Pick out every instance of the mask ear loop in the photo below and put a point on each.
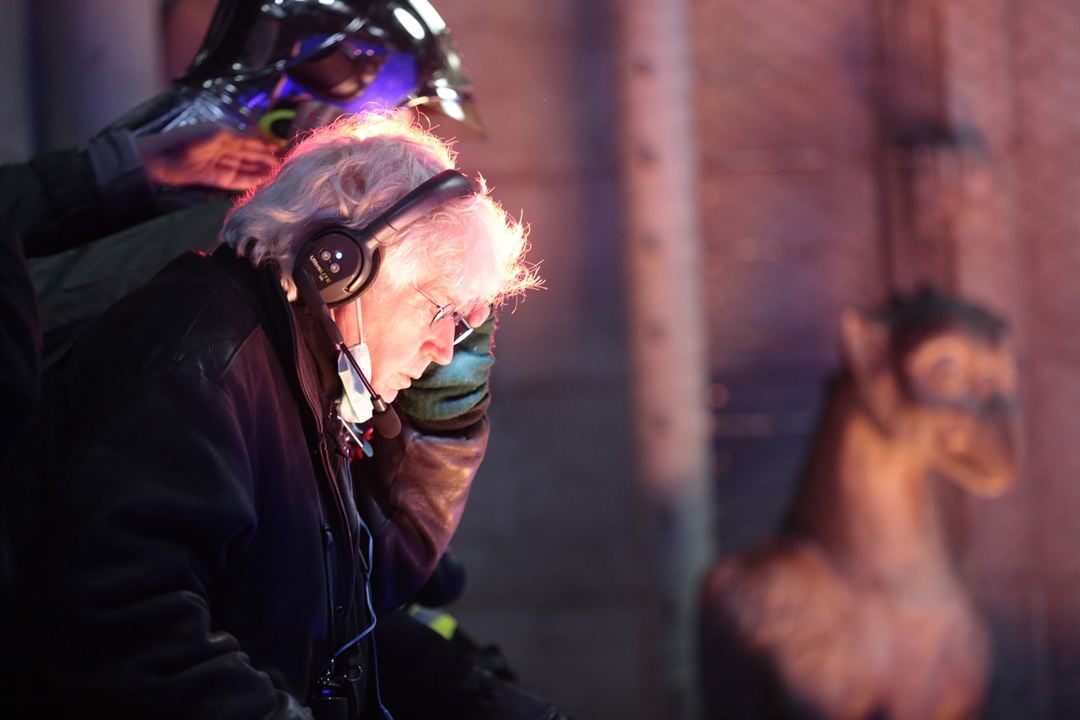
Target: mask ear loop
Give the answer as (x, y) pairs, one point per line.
(359, 320)
(351, 349)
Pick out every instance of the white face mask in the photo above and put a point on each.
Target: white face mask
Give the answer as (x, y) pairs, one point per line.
(355, 404)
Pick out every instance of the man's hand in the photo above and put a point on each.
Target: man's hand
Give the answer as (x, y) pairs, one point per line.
(207, 154)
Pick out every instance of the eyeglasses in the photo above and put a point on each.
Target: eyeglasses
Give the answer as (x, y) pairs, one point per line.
(462, 328)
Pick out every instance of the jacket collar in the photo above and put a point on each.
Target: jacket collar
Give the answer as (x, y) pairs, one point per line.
(299, 343)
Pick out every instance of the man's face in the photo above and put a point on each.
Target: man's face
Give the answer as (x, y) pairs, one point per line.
(400, 334)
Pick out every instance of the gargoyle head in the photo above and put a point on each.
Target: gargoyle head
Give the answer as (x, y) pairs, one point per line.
(938, 374)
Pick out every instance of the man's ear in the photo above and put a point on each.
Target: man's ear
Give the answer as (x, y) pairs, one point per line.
(866, 350)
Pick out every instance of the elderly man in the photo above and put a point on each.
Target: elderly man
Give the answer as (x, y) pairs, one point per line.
(199, 546)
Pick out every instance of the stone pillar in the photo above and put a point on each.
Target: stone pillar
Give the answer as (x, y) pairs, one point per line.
(667, 329)
(92, 60)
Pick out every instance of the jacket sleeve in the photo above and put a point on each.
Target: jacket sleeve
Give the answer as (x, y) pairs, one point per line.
(66, 198)
(417, 484)
(149, 515)
(413, 493)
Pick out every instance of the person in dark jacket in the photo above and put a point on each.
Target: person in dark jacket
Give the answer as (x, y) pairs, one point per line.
(63, 201)
(206, 536)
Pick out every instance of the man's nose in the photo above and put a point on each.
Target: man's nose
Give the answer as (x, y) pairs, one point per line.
(439, 348)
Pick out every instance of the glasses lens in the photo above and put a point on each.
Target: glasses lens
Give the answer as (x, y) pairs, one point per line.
(462, 329)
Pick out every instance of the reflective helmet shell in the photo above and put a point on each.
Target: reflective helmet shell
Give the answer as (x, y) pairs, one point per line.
(262, 59)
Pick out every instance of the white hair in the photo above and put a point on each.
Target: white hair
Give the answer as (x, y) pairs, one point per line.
(353, 170)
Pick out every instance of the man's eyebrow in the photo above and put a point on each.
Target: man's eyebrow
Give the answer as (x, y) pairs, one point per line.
(443, 295)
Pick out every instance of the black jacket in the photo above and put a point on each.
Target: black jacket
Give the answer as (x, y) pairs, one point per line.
(57, 201)
(194, 547)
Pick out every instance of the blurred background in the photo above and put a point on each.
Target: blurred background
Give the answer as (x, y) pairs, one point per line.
(709, 183)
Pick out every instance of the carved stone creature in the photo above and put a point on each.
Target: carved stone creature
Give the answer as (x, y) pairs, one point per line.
(854, 610)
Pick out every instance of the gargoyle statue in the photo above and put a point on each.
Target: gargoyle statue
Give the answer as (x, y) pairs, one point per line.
(854, 610)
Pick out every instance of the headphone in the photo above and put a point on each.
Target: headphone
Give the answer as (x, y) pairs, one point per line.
(338, 263)
(343, 262)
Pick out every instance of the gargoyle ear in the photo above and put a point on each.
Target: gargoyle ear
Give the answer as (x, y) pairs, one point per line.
(866, 350)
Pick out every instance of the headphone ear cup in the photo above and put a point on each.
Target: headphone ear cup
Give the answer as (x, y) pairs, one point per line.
(341, 266)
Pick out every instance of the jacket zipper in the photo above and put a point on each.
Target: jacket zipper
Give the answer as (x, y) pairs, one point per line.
(315, 407)
(324, 452)
(325, 680)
